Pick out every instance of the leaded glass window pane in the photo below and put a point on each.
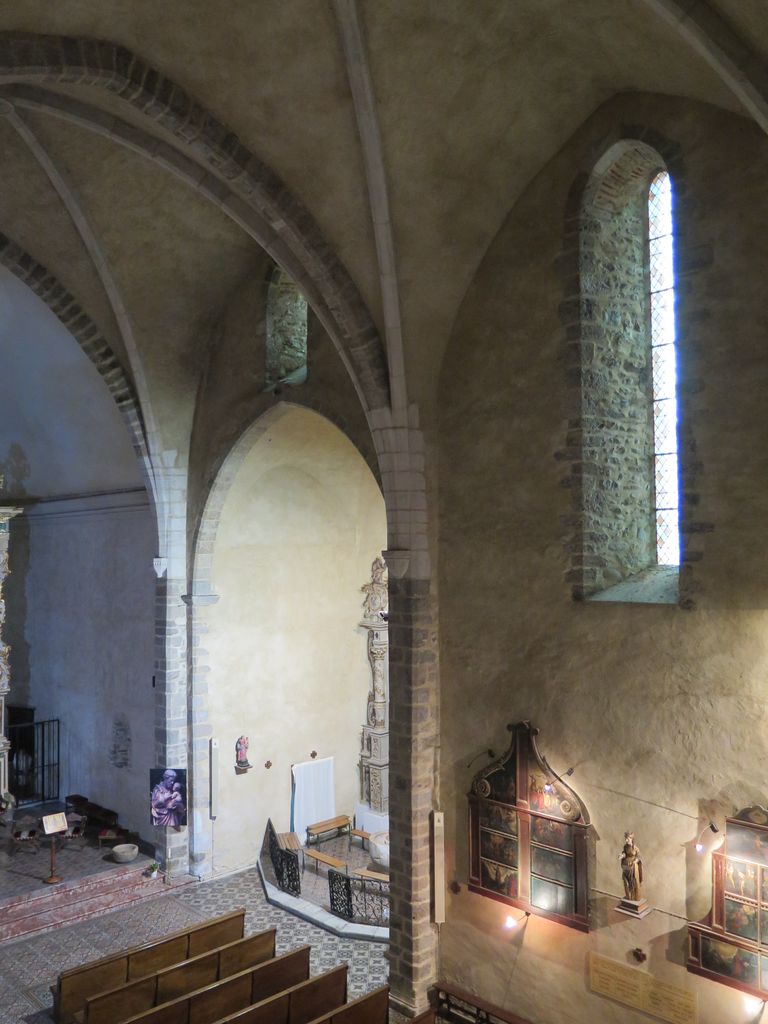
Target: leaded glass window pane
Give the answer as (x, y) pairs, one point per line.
(664, 369)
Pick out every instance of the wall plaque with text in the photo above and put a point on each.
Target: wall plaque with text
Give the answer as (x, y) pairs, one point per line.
(641, 991)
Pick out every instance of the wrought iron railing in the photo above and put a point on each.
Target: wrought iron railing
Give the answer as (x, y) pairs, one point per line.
(285, 864)
(363, 900)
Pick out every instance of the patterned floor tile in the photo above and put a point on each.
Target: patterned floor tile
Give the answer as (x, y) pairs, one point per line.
(29, 967)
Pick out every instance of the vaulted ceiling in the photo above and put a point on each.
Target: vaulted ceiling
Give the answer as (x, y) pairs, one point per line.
(407, 182)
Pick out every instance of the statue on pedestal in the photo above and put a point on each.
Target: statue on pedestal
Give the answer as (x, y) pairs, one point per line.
(631, 867)
(631, 861)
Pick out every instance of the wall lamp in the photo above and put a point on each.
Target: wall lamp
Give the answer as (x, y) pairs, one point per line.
(548, 787)
(712, 828)
(513, 922)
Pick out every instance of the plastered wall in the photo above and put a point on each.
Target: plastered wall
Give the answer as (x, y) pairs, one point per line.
(88, 644)
(661, 711)
(300, 526)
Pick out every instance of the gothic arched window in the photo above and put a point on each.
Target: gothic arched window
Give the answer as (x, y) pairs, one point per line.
(626, 486)
(286, 332)
(664, 362)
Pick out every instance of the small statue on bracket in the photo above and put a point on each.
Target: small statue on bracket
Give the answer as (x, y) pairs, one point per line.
(631, 860)
(241, 755)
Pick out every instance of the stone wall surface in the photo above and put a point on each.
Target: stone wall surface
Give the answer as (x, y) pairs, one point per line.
(88, 635)
(661, 709)
(288, 663)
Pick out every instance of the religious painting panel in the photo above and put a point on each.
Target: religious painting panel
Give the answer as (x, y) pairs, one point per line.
(741, 919)
(498, 817)
(551, 833)
(557, 899)
(499, 848)
(528, 834)
(499, 879)
(741, 878)
(746, 842)
(729, 961)
(558, 867)
(168, 797)
(764, 973)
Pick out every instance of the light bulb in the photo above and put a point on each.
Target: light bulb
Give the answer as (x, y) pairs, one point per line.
(753, 1005)
(548, 787)
(511, 922)
(699, 847)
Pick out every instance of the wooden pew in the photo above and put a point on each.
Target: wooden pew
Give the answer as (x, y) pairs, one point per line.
(260, 985)
(144, 993)
(298, 1005)
(73, 987)
(372, 1008)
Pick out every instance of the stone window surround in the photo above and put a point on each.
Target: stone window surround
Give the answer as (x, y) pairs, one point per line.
(655, 585)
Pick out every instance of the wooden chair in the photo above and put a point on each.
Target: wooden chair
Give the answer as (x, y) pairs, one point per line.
(26, 838)
(372, 1008)
(73, 987)
(136, 996)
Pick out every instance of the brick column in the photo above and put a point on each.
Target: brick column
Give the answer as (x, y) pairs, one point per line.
(413, 745)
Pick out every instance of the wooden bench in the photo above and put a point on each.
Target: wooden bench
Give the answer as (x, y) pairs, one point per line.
(373, 876)
(170, 982)
(372, 1008)
(74, 986)
(300, 1004)
(448, 995)
(238, 999)
(322, 858)
(288, 841)
(117, 835)
(94, 812)
(340, 825)
(428, 1017)
(360, 834)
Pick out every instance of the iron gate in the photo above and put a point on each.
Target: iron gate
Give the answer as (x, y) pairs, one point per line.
(33, 771)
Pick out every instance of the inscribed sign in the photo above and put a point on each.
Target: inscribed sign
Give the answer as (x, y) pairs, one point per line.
(641, 991)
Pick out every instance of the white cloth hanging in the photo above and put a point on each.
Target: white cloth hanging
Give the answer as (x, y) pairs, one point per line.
(313, 795)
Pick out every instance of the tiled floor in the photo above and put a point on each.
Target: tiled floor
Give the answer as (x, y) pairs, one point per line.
(314, 879)
(22, 869)
(28, 968)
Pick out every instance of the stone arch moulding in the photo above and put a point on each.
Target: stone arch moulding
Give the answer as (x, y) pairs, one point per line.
(237, 180)
(81, 327)
(200, 596)
(618, 164)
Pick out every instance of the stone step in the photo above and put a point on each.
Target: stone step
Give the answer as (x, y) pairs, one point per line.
(80, 900)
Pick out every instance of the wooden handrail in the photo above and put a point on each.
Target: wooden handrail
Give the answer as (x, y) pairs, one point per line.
(477, 1002)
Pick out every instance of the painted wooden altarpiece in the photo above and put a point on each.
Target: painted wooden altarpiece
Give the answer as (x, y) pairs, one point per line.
(528, 835)
(731, 945)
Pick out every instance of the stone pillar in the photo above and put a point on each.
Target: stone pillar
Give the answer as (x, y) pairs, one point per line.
(374, 754)
(413, 735)
(6, 514)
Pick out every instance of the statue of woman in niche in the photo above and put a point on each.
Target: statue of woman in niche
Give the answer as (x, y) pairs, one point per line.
(631, 868)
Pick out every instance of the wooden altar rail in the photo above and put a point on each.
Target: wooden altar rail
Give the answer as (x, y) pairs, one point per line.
(370, 1009)
(449, 995)
(235, 1000)
(144, 993)
(73, 987)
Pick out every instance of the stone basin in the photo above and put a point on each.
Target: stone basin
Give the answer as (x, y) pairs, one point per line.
(124, 853)
(378, 846)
